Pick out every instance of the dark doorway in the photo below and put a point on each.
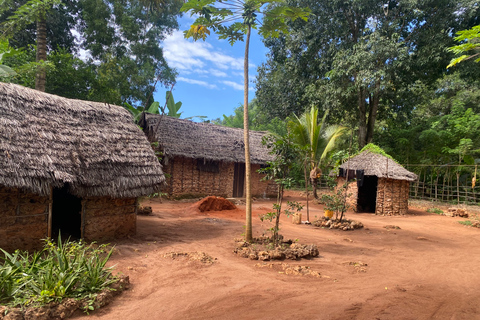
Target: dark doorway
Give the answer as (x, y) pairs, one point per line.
(238, 180)
(367, 195)
(66, 214)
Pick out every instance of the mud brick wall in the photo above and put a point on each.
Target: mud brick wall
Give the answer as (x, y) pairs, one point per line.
(262, 188)
(107, 218)
(23, 219)
(352, 192)
(185, 178)
(392, 197)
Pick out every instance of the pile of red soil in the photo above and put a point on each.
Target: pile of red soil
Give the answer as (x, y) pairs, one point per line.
(214, 204)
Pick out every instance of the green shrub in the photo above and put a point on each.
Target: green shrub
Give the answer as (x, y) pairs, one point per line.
(63, 270)
(466, 222)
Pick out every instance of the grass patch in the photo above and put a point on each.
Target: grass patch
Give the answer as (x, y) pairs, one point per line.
(435, 210)
(58, 271)
(466, 222)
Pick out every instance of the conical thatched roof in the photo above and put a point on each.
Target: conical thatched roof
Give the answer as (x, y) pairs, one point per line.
(46, 140)
(375, 164)
(179, 137)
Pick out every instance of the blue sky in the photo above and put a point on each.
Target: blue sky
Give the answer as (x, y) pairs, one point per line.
(210, 73)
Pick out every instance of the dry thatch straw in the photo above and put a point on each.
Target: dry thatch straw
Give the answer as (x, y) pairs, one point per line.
(48, 141)
(375, 164)
(178, 137)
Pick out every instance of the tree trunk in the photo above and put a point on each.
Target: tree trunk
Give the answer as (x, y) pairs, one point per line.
(362, 116)
(372, 115)
(248, 190)
(40, 78)
(306, 190)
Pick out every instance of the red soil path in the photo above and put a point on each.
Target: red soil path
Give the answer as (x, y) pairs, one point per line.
(428, 269)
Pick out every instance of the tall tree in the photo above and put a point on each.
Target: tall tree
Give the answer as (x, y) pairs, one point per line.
(33, 11)
(119, 41)
(219, 16)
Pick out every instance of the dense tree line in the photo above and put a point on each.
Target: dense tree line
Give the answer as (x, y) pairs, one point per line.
(375, 65)
(101, 50)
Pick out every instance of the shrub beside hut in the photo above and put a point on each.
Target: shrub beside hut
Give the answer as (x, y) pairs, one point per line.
(382, 185)
(69, 166)
(202, 159)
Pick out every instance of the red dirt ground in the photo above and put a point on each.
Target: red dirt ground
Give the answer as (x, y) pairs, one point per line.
(427, 269)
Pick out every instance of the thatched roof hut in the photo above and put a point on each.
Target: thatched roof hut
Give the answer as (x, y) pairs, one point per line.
(69, 166)
(179, 137)
(206, 159)
(382, 184)
(47, 141)
(374, 164)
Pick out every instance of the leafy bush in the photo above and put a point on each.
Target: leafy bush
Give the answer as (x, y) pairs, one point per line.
(68, 270)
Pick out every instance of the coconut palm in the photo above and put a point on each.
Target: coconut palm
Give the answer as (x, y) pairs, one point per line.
(316, 138)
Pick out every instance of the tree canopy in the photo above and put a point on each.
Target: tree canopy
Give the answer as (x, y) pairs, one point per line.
(112, 46)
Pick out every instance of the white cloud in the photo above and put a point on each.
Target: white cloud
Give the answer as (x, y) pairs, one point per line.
(234, 85)
(186, 55)
(218, 73)
(200, 83)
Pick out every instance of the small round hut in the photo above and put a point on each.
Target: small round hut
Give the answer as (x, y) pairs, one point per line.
(382, 185)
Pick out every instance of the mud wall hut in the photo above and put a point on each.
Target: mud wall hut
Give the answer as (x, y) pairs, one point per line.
(69, 166)
(203, 159)
(381, 187)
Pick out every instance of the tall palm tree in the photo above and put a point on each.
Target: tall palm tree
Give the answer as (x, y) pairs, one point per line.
(316, 138)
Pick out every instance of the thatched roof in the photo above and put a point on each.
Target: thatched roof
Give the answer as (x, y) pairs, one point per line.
(179, 137)
(375, 164)
(46, 140)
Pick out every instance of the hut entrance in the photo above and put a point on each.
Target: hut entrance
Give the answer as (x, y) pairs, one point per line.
(66, 214)
(238, 180)
(367, 194)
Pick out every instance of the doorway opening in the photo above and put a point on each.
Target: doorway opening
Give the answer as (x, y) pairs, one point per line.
(238, 180)
(367, 195)
(66, 214)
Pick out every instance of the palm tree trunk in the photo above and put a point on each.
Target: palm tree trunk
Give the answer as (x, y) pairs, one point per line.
(41, 75)
(248, 190)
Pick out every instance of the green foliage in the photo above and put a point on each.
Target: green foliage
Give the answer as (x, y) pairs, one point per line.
(360, 60)
(292, 208)
(278, 170)
(122, 40)
(337, 201)
(312, 134)
(471, 42)
(172, 106)
(62, 270)
(466, 222)
(256, 120)
(375, 149)
(213, 15)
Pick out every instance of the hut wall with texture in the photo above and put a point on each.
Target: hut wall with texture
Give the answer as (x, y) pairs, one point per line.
(392, 197)
(262, 188)
(23, 219)
(107, 218)
(352, 192)
(184, 178)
